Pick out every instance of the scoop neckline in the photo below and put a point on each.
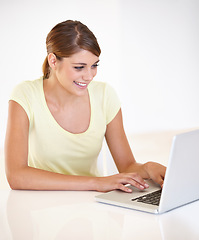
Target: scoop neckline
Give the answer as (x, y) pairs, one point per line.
(54, 120)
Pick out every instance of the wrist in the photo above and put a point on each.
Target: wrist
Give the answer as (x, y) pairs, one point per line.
(146, 169)
(95, 183)
(141, 169)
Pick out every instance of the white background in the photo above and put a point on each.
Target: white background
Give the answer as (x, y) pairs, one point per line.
(150, 54)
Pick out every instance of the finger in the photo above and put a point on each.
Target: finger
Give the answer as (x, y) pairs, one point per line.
(134, 180)
(138, 181)
(137, 184)
(124, 188)
(159, 179)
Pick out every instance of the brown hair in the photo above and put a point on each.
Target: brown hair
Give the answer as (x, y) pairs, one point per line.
(67, 38)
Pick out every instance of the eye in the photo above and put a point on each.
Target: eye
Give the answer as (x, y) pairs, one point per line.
(79, 68)
(95, 65)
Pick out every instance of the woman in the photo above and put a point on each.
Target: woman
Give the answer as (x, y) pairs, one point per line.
(56, 124)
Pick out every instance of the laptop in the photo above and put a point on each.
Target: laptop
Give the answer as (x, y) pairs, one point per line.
(181, 183)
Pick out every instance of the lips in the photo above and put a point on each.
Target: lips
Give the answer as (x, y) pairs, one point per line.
(80, 84)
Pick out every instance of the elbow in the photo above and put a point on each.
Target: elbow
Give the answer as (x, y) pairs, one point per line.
(12, 183)
(15, 181)
(14, 186)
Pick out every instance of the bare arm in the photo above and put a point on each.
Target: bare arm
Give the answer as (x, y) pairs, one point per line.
(21, 176)
(123, 156)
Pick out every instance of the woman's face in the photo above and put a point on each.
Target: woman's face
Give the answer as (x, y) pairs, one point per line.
(76, 72)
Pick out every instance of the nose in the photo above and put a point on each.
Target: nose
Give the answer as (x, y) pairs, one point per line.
(88, 75)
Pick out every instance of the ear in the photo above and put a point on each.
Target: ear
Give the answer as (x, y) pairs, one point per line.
(52, 60)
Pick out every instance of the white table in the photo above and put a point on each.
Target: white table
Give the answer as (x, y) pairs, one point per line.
(46, 215)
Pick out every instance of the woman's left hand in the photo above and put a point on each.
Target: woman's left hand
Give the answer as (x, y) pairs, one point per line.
(155, 171)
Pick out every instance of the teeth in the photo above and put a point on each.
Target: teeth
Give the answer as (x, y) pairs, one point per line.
(81, 84)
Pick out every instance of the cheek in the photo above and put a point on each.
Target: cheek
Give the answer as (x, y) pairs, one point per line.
(94, 72)
(70, 74)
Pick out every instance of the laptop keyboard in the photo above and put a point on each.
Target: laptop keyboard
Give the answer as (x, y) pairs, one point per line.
(150, 198)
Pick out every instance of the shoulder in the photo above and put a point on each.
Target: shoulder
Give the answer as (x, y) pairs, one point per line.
(107, 96)
(101, 87)
(26, 89)
(96, 85)
(25, 94)
(28, 85)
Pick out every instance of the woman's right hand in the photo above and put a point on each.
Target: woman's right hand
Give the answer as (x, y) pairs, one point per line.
(118, 181)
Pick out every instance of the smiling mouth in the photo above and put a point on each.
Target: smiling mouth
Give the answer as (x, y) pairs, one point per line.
(80, 84)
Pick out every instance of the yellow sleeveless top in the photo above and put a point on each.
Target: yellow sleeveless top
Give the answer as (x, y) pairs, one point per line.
(54, 149)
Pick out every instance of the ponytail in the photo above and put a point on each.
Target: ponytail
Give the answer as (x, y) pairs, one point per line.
(46, 69)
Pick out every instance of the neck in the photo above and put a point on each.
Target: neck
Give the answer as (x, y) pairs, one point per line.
(57, 95)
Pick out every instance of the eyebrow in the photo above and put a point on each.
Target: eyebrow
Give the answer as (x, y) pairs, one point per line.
(84, 64)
